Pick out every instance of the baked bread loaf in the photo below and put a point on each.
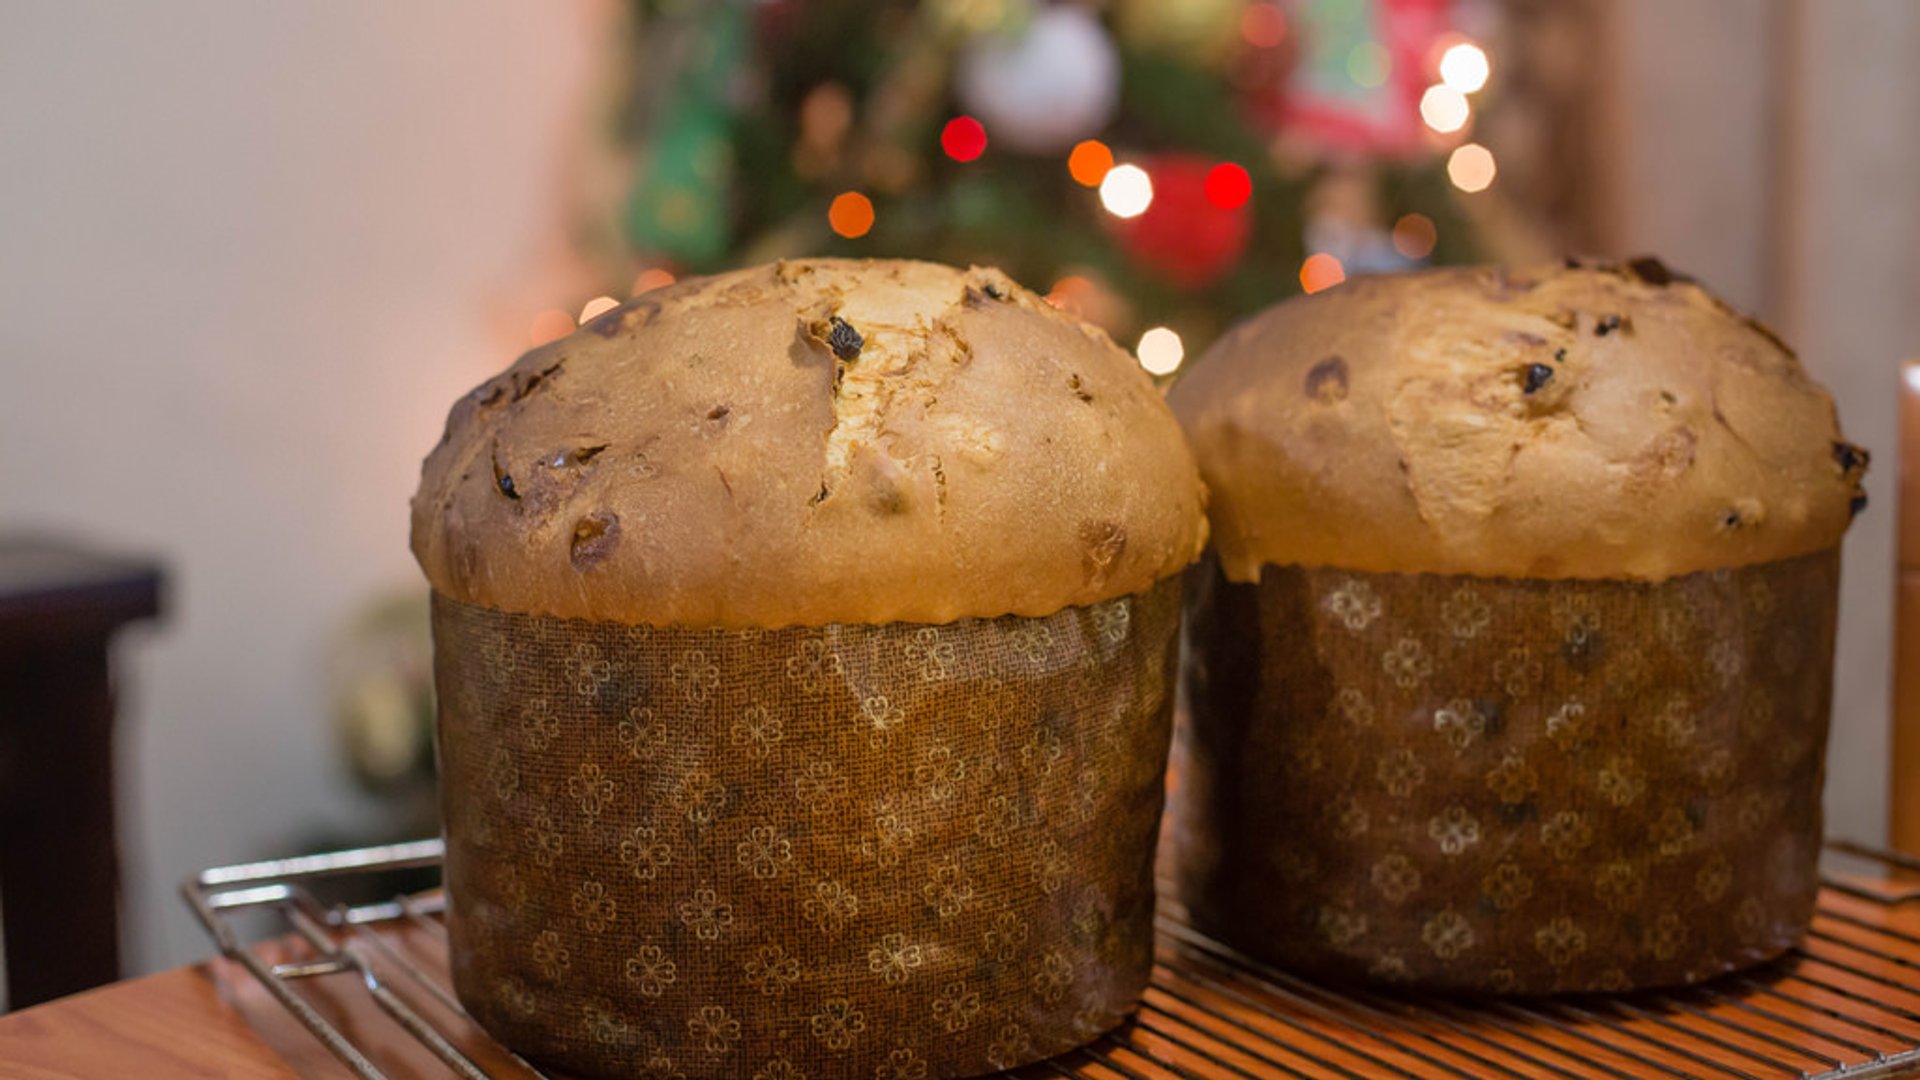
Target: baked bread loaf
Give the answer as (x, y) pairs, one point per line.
(804, 643)
(1605, 421)
(811, 442)
(1512, 670)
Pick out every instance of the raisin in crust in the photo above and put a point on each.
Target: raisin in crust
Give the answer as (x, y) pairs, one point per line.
(1578, 421)
(812, 442)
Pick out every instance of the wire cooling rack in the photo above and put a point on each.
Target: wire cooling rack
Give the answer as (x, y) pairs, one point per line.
(370, 983)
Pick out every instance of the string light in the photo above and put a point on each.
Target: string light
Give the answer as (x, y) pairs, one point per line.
(1471, 167)
(1443, 108)
(1464, 67)
(550, 325)
(1160, 351)
(851, 214)
(1228, 186)
(1126, 191)
(1263, 25)
(597, 307)
(1090, 162)
(650, 279)
(1321, 271)
(964, 139)
(1414, 236)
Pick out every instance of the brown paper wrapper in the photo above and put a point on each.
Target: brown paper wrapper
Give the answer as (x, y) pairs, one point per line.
(892, 851)
(1506, 786)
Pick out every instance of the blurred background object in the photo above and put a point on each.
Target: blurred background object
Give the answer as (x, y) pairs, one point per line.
(1152, 165)
(61, 606)
(252, 251)
(1904, 753)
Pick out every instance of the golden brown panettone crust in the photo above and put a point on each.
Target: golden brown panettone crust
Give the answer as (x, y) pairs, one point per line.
(1576, 421)
(812, 442)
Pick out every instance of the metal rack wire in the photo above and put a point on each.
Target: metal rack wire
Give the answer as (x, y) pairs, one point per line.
(1845, 1004)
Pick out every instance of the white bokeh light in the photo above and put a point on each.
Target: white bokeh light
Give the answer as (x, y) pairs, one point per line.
(1126, 191)
(1443, 108)
(1464, 67)
(597, 307)
(1471, 167)
(1160, 351)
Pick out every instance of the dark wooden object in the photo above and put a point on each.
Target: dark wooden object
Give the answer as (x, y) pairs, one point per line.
(59, 858)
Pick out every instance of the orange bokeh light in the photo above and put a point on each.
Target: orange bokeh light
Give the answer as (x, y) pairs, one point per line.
(652, 278)
(851, 214)
(1321, 271)
(1070, 292)
(1089, 162)
(1414, 236)
(550, 325)
(1263, 25)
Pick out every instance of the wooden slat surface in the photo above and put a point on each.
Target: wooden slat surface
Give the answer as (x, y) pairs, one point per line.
(1852, 994)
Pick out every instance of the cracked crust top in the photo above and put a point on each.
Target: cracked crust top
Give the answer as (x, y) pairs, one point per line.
(812, 442)
(1559, 422)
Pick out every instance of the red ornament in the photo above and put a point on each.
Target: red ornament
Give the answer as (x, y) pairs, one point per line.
(1184, 235)
(963, 138)
(1228, 186)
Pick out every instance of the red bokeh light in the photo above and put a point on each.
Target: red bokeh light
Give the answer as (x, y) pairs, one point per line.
(1228, 186)
(963, 138)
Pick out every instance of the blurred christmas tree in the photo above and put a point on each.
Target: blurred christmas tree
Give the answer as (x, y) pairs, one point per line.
(1148, 163)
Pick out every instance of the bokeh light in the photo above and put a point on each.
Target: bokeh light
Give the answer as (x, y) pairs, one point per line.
(1090, 162)
(1126, 191)
(550, 325)
(1471, 167)
(1369, 64)
(851, 214)
(597, 307)
(1464, 67)
(1321, 271)
(1443, 108)
(1414, 236)
(653, 277)
(1263, 25)
(1160, 351)
(964, 139)
(1228, 186)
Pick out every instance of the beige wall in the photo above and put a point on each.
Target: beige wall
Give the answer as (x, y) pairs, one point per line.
(248, 254)
(1772, 147)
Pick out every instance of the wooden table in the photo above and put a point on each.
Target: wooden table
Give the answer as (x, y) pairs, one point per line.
(60, 606)
(213, 1020)
(1852, 992)
(182, 1023)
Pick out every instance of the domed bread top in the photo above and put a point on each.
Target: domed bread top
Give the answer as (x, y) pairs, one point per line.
(1556, 422)
(812, 442)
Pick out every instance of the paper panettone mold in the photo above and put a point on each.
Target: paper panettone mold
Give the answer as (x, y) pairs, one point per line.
(831, 851)
(805, 639)
(1511, 668)
(1500, 785)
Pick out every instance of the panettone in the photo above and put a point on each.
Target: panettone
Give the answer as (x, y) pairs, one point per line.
(1511, 669)
(805, 639)
(1565, 422)
(812, 442)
